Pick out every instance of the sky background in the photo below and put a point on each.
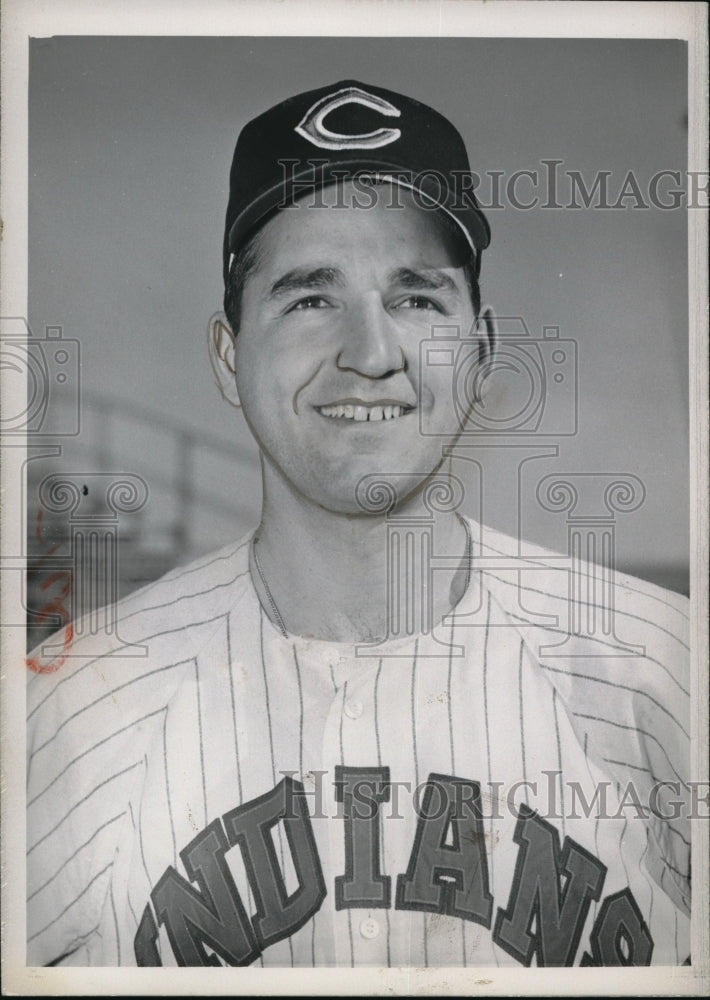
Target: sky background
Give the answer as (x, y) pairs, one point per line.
(131, 142)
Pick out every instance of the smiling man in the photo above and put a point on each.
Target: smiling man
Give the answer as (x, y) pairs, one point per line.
(338, 748)
(327, 363)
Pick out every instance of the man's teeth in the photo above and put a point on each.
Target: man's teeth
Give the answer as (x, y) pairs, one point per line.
(352, 412)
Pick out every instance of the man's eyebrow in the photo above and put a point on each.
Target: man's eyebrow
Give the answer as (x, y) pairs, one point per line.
(431, 279)
(304, 278)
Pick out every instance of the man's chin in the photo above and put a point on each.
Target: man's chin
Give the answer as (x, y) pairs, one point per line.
(372, 493)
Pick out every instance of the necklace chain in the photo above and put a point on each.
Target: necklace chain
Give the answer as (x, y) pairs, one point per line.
(277, 614)
(469, 554)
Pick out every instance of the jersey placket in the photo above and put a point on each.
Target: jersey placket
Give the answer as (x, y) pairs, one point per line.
(350, 741)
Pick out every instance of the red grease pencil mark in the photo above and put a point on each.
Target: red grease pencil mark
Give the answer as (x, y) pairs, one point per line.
(54, 606)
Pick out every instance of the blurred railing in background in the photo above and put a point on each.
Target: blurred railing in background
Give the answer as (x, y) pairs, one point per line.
(201, 492)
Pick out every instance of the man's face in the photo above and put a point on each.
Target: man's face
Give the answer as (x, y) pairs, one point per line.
(328, 351)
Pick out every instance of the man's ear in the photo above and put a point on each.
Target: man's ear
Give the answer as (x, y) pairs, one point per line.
(220, 346)
(487, 331)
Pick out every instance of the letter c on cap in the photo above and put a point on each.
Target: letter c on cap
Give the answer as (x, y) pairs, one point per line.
(311, 126)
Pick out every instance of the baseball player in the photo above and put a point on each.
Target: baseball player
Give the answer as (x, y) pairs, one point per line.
(322, 746)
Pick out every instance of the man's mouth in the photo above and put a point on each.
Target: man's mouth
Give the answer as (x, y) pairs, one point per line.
(362, 412)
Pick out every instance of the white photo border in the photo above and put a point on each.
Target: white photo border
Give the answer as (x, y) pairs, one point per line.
(24, 19)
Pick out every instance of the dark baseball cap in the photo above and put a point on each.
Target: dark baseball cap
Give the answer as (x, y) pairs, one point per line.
(346, 130)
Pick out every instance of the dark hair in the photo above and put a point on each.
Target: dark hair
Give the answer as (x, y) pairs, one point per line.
(245, 260)
(248, 257)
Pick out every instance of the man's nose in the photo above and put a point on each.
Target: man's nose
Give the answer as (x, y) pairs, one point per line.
(371, 344)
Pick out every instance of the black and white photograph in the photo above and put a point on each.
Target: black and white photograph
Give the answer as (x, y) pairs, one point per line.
(354, 498)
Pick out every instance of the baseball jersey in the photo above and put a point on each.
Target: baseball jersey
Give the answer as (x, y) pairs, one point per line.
(508, 789)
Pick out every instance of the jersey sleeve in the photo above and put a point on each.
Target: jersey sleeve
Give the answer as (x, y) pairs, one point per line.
(617, 651)
(96, 713)
(627, 691)
(83, 762)
(643, 698)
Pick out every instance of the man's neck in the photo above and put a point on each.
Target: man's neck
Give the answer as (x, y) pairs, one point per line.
(355, 577)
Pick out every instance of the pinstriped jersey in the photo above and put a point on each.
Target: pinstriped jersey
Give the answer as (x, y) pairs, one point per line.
(508, 789)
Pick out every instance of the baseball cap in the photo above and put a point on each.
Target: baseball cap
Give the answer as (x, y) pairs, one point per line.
(339, 132)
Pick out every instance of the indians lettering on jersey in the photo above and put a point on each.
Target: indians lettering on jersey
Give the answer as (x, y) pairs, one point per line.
(550, 895)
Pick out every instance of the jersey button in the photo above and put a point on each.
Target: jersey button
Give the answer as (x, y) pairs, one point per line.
(353, 708)
(369, 928)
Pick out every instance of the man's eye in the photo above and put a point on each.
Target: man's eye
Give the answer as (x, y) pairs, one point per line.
(418, 302)
(310, 302)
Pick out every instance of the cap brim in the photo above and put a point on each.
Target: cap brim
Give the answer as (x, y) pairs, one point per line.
(471, 221)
